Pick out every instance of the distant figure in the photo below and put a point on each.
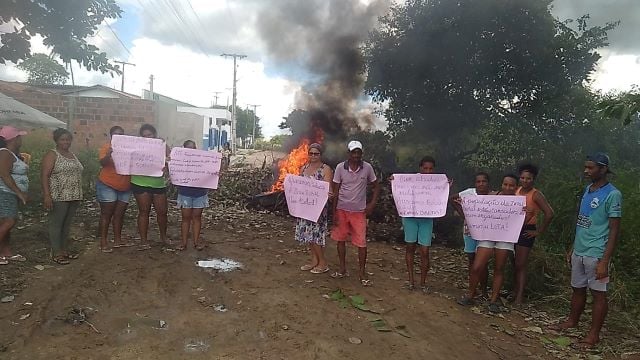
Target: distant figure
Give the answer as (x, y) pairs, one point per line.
(597, 233)
(536, 202)
(14, 183)
(62, 193)
(309, 232)
(350, 182)
(191, 202)
(226, 155)
(150, 190)
(113, 192)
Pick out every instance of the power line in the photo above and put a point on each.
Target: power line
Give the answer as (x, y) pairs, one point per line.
(117, 37)
(123, 66)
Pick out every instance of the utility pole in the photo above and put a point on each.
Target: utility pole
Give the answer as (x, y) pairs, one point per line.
(123, 66)
(233, 101)
(253, 137)
(151, 86)
(215, 97)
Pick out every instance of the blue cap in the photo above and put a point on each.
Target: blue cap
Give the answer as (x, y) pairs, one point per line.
(601, 159)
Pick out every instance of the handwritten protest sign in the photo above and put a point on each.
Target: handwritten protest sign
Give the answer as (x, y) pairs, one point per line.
(494, 217)
(306, 197)
(134, 155)
(420, 195)
(195, 168)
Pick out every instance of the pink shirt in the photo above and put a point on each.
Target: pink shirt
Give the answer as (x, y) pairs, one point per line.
(353, 188)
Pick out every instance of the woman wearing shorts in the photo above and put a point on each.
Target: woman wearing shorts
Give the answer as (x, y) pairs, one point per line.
(191, 202)
(536, 202)
(113, 192)
(14, 183)
(148, 191)
(500, 251)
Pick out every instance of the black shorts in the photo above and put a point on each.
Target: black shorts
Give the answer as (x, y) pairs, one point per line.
(525, 241)
(137, 189)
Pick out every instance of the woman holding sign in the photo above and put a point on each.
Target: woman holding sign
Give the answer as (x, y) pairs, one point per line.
(500, 250)
(309, 232)
(150, 190)
(191, 202)
(113, 192)
(62, 192)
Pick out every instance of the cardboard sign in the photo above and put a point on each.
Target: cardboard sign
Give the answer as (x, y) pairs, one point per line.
(306, 197)
(195, 168)
(134, 155)
(420, 195)
(494, 217)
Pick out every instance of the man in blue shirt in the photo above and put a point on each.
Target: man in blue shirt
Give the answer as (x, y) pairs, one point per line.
(596, 235)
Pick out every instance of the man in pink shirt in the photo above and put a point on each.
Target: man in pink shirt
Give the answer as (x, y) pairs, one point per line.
(350, 208)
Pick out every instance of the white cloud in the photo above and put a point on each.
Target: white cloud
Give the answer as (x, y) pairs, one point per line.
(617, 73)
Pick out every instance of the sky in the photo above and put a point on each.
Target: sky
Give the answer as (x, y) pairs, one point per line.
(180, 43)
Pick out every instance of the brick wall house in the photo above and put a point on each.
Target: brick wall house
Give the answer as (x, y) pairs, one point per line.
(89, 111)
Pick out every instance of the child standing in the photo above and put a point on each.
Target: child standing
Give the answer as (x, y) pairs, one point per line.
(191, 201)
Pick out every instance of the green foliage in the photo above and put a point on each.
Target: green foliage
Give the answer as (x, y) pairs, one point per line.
(44, 70)
(449, 68)
(624, 107)
(64, 25)
(245, 121)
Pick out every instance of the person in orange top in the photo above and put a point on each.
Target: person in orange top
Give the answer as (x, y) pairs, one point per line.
(536, 202)
(113, 192)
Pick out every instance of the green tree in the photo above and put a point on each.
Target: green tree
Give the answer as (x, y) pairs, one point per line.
(64, 25)
(43, 70)
(244, 123)
(624, 107)
(451, 69)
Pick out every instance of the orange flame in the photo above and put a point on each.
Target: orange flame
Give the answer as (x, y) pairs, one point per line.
(296, 159)
(292, 163)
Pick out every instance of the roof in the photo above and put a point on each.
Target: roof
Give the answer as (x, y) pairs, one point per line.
(146, 94)
(61, 89)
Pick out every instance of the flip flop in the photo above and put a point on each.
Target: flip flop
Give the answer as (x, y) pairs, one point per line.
(306, 267)
(107, 250)
(181, 248)
(200, 247)
(317, 270)
(17, 257)
(60, 260)
(465, 301)
(3, 261)
(73, 256)
(123, 245)
(366, 282)
(144, 247)
(339, 275)
(582, 346)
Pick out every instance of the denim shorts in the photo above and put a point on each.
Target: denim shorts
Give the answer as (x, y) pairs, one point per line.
(470, 244)
(501, 245)
(190, 202)
(8, 205)
(106, 194)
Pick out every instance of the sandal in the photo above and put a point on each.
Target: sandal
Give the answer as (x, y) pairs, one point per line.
(17, 257)
(306, 267)
(494, 308)
(366, 282)
(123, 245)
(144, 247)
(339, 275)
(4, 261)
(465, 301)
(317, 270)
(107, 250)
(200, 247)
(73, 256)
(60, 260)
(181, 247)
(409, 286)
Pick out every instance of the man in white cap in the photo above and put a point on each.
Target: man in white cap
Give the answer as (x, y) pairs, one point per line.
(350, 208)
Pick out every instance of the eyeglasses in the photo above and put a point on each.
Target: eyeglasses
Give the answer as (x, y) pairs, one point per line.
(314, 154)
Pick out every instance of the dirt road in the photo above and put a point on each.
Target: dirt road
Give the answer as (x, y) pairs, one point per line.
(159, 305)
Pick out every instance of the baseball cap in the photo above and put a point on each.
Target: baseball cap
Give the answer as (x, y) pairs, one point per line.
(9, 132)
(600, 158)
(354, 144)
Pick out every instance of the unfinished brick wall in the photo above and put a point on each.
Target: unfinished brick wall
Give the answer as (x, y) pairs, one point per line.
(91, 117)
